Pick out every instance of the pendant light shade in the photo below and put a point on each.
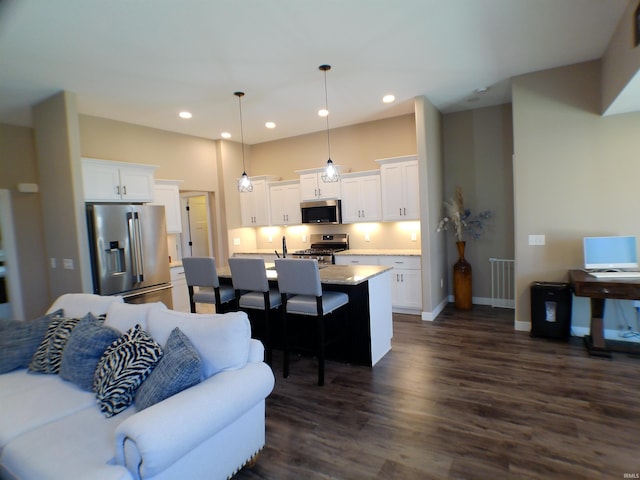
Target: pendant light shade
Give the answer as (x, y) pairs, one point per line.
(330, 174)
(244, 184)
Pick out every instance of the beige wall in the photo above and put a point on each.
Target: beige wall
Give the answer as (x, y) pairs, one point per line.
(575, 174)
(478, 149)
(180, 157)
(621, 60)
(59, 167)
(18, 165)
(355, 148)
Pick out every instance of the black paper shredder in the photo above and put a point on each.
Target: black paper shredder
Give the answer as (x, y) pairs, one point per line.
(551, 310)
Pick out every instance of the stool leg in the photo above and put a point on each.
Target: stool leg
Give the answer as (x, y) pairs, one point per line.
(192, 304)
(285, 339)
(321, 351)
(267, 333)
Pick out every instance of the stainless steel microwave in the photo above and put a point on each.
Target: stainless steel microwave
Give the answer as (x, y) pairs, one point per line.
(322, 211)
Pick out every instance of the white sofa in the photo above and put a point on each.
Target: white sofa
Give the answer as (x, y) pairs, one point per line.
(52, 429)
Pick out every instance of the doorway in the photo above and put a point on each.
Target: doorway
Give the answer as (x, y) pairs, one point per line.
(11, 307)
(197, 234)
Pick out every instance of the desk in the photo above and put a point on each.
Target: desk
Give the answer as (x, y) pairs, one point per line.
(598, 290)
(369, 324)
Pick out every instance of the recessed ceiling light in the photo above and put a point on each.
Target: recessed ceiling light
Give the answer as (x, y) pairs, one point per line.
(388, 98)
(270, 125)
(225, 135)
(323, 112)
(185, 114)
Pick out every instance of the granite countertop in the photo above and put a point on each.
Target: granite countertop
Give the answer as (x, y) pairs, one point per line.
(329, 274)
(381, 251)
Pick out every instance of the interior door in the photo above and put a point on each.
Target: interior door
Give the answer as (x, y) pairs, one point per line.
(196, 230)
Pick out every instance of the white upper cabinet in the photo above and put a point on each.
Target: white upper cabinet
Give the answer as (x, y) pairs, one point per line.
(254, 205)
(400, 188)
(361, 201)
(167, 193)
(107, 181)
(285, 203)
(313, 188)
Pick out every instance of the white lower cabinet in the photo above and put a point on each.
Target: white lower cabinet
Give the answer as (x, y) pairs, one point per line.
(406, 282)
(406, 278)
(179, 292)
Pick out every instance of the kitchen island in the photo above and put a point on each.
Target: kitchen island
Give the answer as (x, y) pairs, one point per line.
(367, 326)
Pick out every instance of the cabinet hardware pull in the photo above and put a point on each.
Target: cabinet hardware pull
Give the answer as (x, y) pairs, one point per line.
(124, 189)
(405, 211)
(118, 189)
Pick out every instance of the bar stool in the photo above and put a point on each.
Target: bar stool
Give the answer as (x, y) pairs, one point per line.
(301, 292)
(249, 277)
(201, 272)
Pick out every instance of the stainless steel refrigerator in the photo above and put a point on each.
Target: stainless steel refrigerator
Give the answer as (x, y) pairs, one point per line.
(129, 252)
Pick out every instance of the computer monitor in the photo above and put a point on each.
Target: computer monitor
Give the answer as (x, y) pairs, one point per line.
(604, 253)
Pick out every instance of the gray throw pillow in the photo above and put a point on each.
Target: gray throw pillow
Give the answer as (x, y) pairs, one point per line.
(20, 340)
(86, 345)
(178, 370)
(123, 367)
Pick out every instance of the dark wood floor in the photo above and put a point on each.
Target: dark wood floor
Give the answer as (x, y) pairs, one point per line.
(464, 397)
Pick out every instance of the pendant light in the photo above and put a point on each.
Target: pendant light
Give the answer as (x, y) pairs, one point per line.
(244, 184)
(330, 174)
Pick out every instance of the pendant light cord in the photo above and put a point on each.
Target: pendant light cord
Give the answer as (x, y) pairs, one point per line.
(240, 95)
(325, 68)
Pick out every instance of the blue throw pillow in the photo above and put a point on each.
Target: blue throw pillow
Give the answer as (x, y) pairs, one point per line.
(86, 345)
(123, 367)
(178, 370)
(20, 340)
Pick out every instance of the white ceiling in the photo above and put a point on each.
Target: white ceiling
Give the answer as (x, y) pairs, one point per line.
(143, 61)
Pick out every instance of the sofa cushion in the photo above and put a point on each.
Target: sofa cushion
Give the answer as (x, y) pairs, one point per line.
(30, 401)
(48, 355)
(123, 367)
(123, 316)
(20, 340)
(79, 304)
(86, 345)
(222, 340)
(178, 369)
(79, 446)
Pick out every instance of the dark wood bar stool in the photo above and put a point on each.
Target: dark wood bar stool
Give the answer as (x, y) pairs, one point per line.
(301, 292)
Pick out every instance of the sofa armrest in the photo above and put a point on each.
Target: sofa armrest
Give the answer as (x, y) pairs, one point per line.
(256, 351)
(153, 439)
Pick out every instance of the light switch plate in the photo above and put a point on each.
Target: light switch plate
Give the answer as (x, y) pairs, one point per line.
(67, 263)
(236, 241)
(537, 239)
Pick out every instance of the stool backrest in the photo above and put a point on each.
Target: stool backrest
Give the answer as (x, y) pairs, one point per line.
(298, 276)
(249, 274)
(201, 272)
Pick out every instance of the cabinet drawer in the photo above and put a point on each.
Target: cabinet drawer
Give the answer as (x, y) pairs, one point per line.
(357, 260)
(607, 290)
(177, 274)
(401, 261)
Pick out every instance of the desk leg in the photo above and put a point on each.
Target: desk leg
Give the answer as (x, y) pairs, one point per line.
(595, 342)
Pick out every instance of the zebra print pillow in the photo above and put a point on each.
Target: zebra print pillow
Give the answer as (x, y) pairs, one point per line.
(123, 367)
(48, 355)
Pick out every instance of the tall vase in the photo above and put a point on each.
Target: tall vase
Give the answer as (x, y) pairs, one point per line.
(462, 280)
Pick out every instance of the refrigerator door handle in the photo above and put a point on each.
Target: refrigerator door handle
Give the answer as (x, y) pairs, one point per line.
(139, 249)
(133, 245)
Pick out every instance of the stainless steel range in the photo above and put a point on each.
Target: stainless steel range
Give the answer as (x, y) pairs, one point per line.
(323, 246)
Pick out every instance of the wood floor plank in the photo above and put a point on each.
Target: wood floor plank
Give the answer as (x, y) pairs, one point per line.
(464, 397)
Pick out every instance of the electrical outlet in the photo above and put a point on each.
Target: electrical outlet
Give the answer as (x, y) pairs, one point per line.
(441, 283)
(270, 239)
(53, 262)
(536, 239)
(236, 241)
(414, 236)
(304, 237)
(367, 237)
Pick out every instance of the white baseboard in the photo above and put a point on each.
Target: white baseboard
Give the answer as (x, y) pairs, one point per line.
(609, 334)
(431, 316)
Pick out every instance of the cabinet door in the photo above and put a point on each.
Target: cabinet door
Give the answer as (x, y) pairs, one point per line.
(254, 205)
(101, 181)
(309, 186)
(180, 291)
(292, 205)
(408, 291)
(328, 191)
(351, 205)
(412, 191)
(136, 184)
(392, 195)
(370, 203)
(278, 205)
(169, 196)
